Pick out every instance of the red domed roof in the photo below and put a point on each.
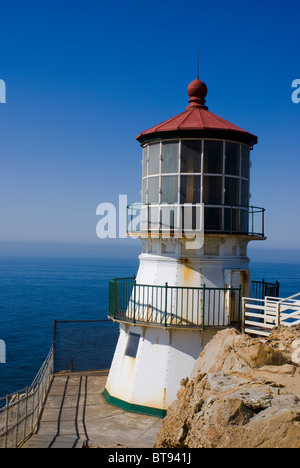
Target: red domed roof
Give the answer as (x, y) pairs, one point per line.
(197, 122)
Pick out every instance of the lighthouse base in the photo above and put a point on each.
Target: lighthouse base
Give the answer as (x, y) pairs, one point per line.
(157, 412)
(148, 365)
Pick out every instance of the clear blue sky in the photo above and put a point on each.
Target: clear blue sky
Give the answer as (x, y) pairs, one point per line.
(85, 77)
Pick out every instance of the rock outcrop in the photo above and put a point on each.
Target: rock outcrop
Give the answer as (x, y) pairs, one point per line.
(243, 393)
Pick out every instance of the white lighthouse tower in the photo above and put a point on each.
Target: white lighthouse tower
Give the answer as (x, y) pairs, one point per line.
(196, 223)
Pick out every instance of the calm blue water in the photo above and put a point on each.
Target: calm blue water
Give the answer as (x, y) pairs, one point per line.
(34, 292)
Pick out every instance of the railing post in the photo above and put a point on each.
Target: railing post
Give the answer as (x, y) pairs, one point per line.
(278, 314)
(6, 422)
(148, 219)
(276, 289)
(17, 423)
(263, 295)
(239, 309)
(203, 306)
(243, 313)
(109, 297)
(26, 412)
(166, 304)
(134, 299)
(54, 344)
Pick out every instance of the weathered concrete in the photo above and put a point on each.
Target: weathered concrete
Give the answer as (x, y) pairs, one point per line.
(76, 413)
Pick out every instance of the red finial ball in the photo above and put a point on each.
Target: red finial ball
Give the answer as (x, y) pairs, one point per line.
(197, 91)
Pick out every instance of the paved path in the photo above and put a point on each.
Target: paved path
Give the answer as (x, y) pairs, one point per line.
(76, 412)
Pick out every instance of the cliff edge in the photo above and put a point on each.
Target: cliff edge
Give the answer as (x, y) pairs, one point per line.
(243, 393)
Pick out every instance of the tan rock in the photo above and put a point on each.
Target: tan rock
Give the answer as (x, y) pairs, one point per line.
(242, 393)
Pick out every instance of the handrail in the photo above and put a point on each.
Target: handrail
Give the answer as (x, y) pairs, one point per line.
(260, 316)
(289, 298)
(21, 414)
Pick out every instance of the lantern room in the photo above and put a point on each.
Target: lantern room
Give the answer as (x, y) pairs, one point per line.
(199, 158)
(193, 171)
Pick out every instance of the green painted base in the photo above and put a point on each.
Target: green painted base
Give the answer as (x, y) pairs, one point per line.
(159, 413)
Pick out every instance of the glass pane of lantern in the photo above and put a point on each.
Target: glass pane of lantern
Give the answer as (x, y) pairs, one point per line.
(232, 192)
(213, 157)
(231, 219)
(154, 153)
(245, 161)
(144, 189)
(244, 226)
(191, 156)
(232, 158)
(144, 161)
(168, 215)
(170, 155)
(213, 219)
(153, 189)
(169, 189)
(190, 188)
(245, 192)
(213, 190)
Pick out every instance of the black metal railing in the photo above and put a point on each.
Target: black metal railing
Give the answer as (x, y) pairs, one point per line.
(173, 306)
(84, 345)
(261, 289)
(180, 219)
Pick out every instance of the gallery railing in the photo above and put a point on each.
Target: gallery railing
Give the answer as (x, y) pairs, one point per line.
(173, 306)
(178, 219)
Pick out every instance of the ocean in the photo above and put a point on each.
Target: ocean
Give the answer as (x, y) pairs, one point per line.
(36, 291)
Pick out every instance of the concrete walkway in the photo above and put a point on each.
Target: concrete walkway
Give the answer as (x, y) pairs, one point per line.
(76, 413)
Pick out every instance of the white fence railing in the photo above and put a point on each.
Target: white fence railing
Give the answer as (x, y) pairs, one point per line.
(260, 316)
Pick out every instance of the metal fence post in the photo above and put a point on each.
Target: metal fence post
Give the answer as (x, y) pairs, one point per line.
(6, 421)
(203, 306)
(277, 289)
(166, 304)
(17, 423)
(26, 412)
(54, 343)
(263, 288)
(134, 299)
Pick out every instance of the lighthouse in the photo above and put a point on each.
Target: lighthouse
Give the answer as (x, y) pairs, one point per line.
(195, 226)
